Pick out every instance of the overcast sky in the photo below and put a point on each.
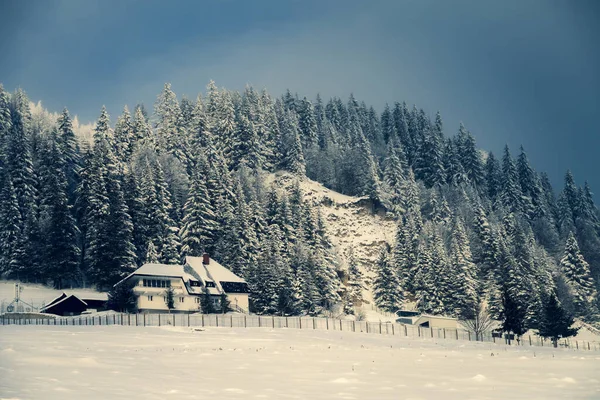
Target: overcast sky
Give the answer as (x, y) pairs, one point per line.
(521, 72)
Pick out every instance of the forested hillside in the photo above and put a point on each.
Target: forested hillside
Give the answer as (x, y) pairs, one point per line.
(196, 176)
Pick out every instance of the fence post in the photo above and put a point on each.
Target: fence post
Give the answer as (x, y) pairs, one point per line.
(577, 345)
(327, 323)
(419, 331)
(245, 322)
(300, 322)
(530, 340)
(231, 320)
(188, 319)
(273, 320)
(144, 319)
(469, 332)
(217, 320)
(393, 330)
(367, 325)
(341, 325)
(286, 321)
(456, 334)
(203, 320)
(259, 322)
(314, 325)
(353, 325)
(589, 345)
(158, 319)
(431, 331)
(380, 327)
(444, 333)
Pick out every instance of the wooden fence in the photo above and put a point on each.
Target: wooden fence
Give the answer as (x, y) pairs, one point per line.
(314, 323)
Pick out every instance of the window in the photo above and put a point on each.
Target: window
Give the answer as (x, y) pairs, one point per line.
(210, 284)
(149, 298)
(194, 283)
(181, 299)
(235, 287)
(157, 283)
(197, 300)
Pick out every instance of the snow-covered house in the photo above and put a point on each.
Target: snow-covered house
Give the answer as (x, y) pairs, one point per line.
(190, 282)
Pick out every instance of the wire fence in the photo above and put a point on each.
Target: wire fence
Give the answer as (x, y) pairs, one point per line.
(312, 323)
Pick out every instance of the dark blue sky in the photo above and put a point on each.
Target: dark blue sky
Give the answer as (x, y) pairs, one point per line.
(516, 72)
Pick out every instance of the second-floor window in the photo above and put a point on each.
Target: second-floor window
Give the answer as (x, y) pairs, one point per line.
(157, 283)
(181, 299)
(149, 298)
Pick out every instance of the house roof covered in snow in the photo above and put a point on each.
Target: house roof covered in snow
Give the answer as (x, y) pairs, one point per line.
(210, 275)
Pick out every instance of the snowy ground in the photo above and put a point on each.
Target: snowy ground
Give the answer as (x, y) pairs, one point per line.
(115, 362)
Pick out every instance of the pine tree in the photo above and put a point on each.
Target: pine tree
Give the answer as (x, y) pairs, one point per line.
(555, 323)
(386, 285)
(60, 253)
(463, 285)
(110, 252)
(198, 224)
(577, 274)
(10, 234)
(70, 149)
(510, 195)
(151, 254)
(469, 156)
(293, 157)
(124, 136)
(493, 176)
(512, 315)
(354, 291)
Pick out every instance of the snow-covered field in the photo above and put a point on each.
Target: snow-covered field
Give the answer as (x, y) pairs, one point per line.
(115, 362)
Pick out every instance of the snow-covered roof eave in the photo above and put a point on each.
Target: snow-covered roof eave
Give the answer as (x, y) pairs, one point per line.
(62, 300)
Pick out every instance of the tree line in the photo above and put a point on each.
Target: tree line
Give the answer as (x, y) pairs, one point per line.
(193, 177)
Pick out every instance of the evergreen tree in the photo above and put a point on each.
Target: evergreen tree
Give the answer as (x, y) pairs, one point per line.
(69, 147)
(293, 157)
(206, 304)
(11, 251)
(151, 254)
(354, 291)
(198, 224)
(510, 195)
(110, 252)
(469, 156)
(60, 253)
(512, 315)
(493, 176)
(577, 274)
(555, 322)
(386, 285)
(122, 297)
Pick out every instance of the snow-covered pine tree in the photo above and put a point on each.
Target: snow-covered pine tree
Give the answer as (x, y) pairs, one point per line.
(70, 149)
(387, 292)
(463, 278)
(354, 285)
(577, 273)
(10, 233)
(469, 156)
(60, 250)
(198, 224)
(124, 136)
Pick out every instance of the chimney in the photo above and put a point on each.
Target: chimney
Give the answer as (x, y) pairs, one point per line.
(205, 259)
